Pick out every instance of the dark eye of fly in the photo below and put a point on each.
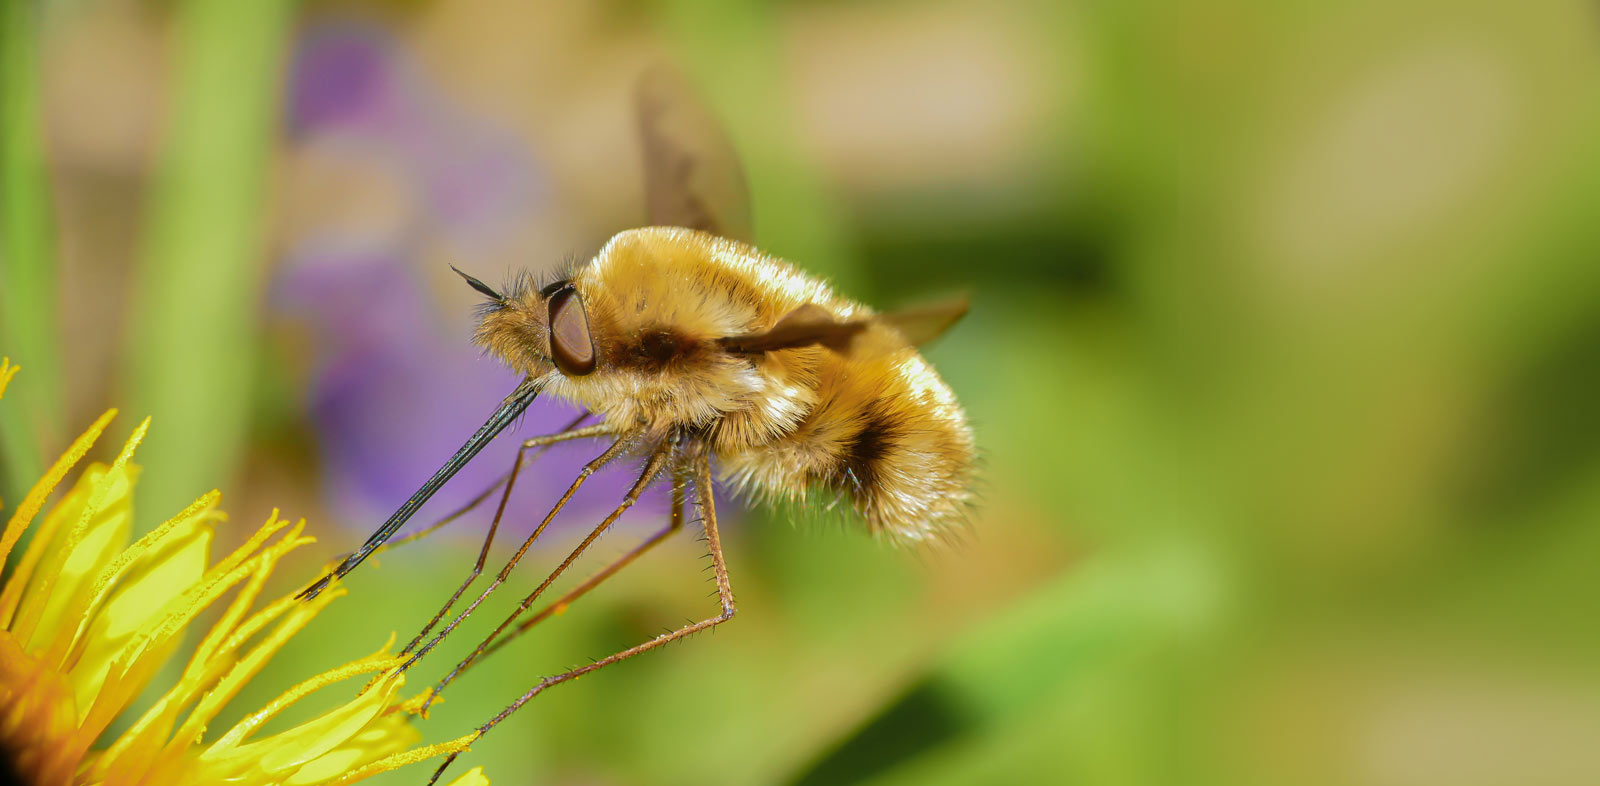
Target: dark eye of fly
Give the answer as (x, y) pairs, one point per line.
(570, 344)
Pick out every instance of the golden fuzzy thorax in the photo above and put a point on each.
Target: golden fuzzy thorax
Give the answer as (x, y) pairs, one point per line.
(874, 421)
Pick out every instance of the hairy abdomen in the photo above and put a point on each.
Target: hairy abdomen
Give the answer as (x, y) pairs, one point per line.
(886, 432)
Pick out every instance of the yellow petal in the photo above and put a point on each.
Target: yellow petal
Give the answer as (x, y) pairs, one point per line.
(35, 714)
(301, 744)
(86, 621)
(174, 558)
(220, 578)
(7, 371)
(398, 760)
(386, 736)
(157, 567)
(101, 494)
(48, 541)
(472, 777)
(298, 616)
(35, 500)
(137, 662)
(101, 535)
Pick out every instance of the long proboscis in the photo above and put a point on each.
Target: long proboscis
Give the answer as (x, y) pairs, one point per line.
(509, 410)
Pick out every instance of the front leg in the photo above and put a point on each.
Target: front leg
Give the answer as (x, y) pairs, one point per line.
(700, 467)
(510, 481)
(611, 453)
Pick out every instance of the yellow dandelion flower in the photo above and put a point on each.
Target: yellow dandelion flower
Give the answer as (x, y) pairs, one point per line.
(87, 619)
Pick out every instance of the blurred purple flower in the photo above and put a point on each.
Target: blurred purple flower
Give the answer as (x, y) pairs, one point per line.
(397, 386)
(475, 180)
(343, 75)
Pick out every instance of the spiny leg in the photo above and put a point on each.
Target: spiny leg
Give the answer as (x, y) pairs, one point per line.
(560, 604)
(496, 640)
(543, 443)
(617, 448)
(702, 482)
(486, 493)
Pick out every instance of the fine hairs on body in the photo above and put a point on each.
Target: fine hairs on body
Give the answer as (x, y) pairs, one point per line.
(695, 350)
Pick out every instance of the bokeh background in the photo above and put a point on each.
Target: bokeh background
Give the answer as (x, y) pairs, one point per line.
(1284, 358)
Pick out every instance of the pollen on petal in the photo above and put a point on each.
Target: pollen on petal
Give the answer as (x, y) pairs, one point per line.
(106, 489)
(102, 534)
(162, 568)
(386, 736)
(36, 496)
(412, 756)
(230, 758)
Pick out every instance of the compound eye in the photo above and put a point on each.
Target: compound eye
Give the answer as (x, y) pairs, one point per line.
(570, 344)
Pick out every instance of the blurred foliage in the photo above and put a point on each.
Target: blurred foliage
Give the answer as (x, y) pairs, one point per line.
(1282, 359)
(27, 265)
(191, 346)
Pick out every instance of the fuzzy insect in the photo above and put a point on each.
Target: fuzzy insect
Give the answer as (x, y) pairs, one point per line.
(789, 387)
(694, 350)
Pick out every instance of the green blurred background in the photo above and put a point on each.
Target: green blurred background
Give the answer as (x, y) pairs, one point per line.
(1284, 360)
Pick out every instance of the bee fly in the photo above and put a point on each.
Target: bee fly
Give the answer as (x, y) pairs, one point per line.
(694, 349)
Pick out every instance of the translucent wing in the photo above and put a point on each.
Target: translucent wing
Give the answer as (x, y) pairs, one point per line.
(811, 325)
(924, 323)
(805, 326)
(692, 175)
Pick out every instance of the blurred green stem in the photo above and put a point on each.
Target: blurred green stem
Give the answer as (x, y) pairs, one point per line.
(28, 326)
(190, 356)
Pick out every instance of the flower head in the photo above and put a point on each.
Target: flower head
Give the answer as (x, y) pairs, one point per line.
(87, 619)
